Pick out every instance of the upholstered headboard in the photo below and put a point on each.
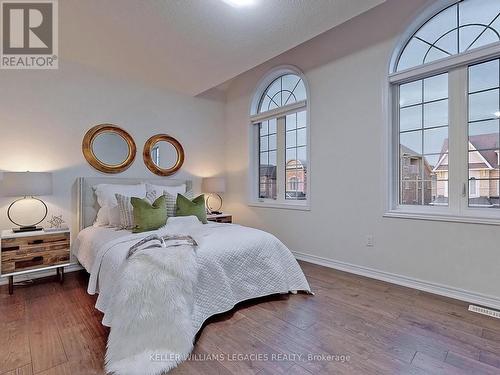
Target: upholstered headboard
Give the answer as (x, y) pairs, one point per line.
(87, 200)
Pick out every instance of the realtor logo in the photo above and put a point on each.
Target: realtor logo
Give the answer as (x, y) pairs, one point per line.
(29, 34)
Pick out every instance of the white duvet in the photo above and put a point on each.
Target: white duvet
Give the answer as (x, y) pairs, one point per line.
(235, 263)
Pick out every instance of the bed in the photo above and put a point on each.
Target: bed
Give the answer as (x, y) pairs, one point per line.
(235, 263)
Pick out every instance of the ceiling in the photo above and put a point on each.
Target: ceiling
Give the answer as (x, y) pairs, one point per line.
(191, 46)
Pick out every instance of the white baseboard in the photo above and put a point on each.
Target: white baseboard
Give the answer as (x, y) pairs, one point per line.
(426, 286)
(39, 274)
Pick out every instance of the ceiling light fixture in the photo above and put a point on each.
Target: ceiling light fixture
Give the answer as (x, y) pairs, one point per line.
(497, 113)
(240, 3)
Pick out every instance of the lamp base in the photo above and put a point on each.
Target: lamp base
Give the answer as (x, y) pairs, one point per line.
(26, 229)
(215, 212)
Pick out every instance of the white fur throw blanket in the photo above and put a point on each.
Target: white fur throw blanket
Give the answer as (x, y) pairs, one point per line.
(151, 314)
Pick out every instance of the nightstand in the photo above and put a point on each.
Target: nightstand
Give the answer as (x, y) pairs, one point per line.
(23, 253)
(221, 218)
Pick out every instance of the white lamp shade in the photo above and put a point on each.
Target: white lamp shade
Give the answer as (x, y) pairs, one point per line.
(214, 185)
(19, 184)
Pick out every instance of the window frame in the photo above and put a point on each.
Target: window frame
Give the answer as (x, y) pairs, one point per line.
(458, 209)
(279, 114)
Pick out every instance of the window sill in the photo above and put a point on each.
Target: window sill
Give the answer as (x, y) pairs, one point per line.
(284, 206)
(443, 217)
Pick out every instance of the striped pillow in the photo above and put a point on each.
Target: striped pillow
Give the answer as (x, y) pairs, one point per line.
(172, 202)
(127, 211)
(151, 196)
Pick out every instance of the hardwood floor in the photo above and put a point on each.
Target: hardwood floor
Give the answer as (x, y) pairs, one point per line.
(371, 326)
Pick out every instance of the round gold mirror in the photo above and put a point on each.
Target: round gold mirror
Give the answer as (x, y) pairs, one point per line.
(108, 148)
(163, 155)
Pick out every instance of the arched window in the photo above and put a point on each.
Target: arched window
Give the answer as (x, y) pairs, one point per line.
(284, 90)
(457, 29)
(280, 139)
(444, 146)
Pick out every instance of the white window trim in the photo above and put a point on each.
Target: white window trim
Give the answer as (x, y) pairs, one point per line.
(255, 118)
(474, 56)
(458, 210)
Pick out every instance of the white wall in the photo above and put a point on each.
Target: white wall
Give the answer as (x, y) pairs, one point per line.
(45, 114)
(347, 70)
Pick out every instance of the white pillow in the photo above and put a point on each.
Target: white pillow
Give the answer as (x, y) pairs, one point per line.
(109, 214)
(126, 211)
(114, 216)
(172, 190)
(102, 217)
(106, 193)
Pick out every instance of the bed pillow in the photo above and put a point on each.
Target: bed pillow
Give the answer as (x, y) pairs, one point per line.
(172, 202)
(108, 216)
(195, 207)
(126, 212)
(147, 216)
(106, 193)
(114, 216)
(159, 189)
(102, 217)
(108, 213)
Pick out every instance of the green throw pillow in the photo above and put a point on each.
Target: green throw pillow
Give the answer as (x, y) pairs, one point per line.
(149, 216)
(195, 207)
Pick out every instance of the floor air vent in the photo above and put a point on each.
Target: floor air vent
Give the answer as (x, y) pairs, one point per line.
(485, 311)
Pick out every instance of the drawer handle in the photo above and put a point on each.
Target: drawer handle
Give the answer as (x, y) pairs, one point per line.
(33, 262)
(13, 248)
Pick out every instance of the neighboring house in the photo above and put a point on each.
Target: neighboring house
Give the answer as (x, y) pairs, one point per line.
(411, 178)
(484, 174)
(483, 170)
(296, 180)
(267, 181)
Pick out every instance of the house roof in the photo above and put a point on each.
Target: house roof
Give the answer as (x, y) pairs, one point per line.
(268, 171)
(409, 152)
(486, 145)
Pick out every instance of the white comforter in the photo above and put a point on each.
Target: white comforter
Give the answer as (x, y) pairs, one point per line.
(235, 264)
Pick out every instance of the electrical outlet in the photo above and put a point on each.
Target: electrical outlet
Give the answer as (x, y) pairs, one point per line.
(369, 240)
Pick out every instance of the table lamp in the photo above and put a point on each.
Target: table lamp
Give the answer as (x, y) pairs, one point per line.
(27, 185)
(214, 186)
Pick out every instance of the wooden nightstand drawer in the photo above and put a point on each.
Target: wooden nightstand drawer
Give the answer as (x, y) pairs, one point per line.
(31, 252)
